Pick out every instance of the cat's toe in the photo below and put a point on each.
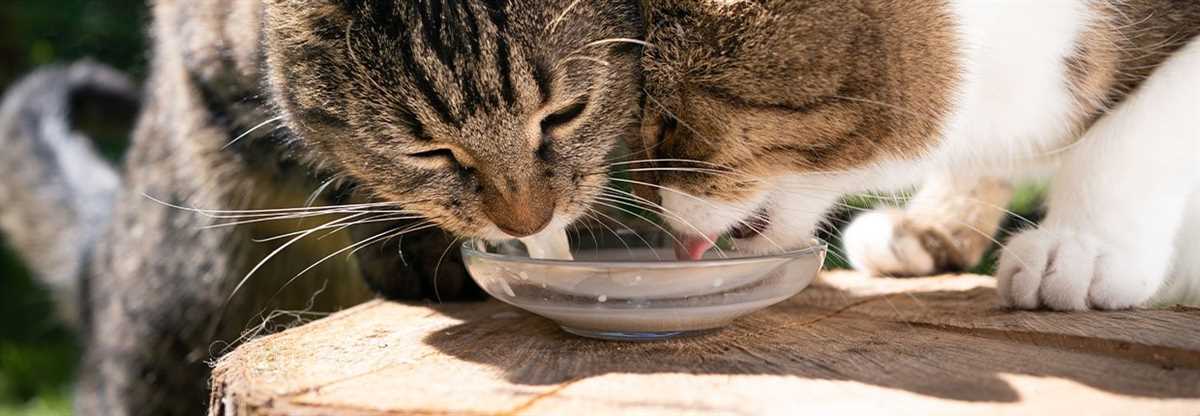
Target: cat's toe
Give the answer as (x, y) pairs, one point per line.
(1124, 283)
(886, 243)
(1065, 270)
(1043, 268)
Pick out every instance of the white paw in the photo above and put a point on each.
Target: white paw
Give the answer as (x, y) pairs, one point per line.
(883, 243)
(1061, 269)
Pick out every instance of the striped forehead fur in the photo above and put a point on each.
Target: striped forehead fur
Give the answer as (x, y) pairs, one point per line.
(368, 83)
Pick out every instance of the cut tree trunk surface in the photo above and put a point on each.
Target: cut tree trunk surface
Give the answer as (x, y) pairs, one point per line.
(847, 344)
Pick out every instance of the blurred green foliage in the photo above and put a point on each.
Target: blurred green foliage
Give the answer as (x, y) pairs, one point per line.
(39, 32)
(1025, 208)
(38, 354)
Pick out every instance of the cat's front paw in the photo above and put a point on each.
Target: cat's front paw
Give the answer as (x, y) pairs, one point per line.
(1066, 270)
(888, 243)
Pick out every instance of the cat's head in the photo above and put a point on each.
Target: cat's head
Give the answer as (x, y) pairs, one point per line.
(762, 113)
(492, 118)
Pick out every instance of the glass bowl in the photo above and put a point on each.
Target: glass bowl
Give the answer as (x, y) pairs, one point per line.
(628, 287)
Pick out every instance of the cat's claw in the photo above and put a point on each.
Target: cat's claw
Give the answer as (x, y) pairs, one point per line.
(1061, 269)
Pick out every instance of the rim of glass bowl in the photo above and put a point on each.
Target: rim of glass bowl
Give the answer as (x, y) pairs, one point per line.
(819, 246)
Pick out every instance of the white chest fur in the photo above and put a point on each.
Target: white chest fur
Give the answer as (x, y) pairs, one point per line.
(1015, 103)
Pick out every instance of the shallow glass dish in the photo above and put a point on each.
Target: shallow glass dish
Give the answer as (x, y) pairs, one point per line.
(630, 287)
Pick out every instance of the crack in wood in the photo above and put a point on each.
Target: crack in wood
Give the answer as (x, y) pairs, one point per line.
(1165, 357)
(834, 313)
(312, 389)
(541, 396)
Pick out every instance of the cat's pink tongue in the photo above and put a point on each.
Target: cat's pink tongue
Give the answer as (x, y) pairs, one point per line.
(693, 247)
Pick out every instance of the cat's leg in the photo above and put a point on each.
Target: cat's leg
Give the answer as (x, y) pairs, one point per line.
(1117, 204)
(1183, 288)
(947, 226)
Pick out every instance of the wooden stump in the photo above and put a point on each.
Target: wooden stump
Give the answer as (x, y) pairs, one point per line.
(847, 345)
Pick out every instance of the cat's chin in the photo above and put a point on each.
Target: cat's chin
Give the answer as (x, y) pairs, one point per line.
(698, 216)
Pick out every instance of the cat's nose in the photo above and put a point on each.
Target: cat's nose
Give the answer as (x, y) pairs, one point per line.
(518, 209)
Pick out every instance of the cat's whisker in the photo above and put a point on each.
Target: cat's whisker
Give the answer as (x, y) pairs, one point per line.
(296, 216)
(241, 222)
(366, 242)
(274, 211)
(314, 228)
(648, 221)
(278, 250)
(601, 216)
(714, 172)
(659, 207)
(833, 251)
(670, 160)
(685, 222)
(672, 190)
(425, 225)
(312, 199)
(619, 199)
(252, 129)
(370, 221)
(374, 220)
(437, 294)
(561, 16)
(577, 225)
(618, 235)
(618, 40)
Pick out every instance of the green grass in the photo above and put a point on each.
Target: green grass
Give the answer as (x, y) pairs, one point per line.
(38, 354)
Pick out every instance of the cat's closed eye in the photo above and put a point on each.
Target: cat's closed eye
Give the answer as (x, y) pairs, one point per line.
(441, 156)
(564, 116)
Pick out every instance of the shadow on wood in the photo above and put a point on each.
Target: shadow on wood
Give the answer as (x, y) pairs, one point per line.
(947, 344)
(850, 343)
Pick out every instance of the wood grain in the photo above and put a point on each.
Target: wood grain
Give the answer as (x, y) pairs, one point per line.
(848, 344)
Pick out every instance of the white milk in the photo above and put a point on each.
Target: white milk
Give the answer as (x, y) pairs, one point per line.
(549, 245)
